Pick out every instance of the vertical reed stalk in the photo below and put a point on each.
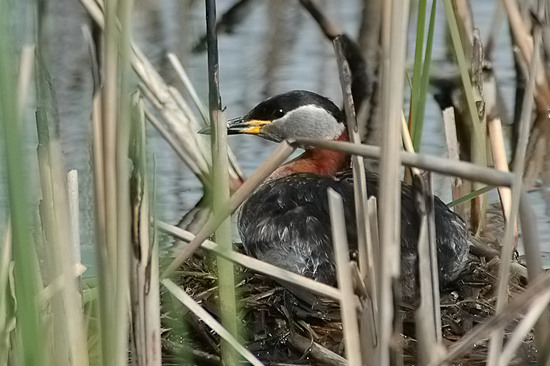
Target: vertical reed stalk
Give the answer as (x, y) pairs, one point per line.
(74, 209)
(343, 272)
(123, 220)
(69, 335)
(479, 155)
(111, 141)
(531, 243)
(428, 314)
(421, 76)
(359, 178)
(29, 331)
(367, 263)
(394, 30)
(465, 49)
(144, 267)
(109, 116)
(453, 150)
(104, 106)
(498, 152)
(417, 70)
(220, 184)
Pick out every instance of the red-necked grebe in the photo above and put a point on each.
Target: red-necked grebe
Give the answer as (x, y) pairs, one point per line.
(286, 222)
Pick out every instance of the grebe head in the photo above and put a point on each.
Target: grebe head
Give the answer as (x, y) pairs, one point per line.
(295, 114)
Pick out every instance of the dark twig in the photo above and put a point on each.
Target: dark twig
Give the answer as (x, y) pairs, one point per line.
(227, 22)
(220, 183)
(330, 29)
(214, 99)
(364, 244)
(361, 84)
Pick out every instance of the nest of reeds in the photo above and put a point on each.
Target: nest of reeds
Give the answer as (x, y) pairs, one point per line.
(281, 329)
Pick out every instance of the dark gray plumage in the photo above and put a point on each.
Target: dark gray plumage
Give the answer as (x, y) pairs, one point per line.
(286, 221)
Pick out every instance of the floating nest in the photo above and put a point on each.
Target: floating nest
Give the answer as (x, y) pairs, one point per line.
(282, 330)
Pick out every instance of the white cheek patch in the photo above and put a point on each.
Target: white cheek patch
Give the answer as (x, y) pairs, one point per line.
(307, 121)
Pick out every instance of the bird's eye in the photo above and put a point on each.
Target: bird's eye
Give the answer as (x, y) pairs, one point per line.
(278, 113)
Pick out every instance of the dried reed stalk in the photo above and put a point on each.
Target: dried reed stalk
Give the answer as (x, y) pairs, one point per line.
(500, 162)
(451, 142)
(144, 261)
(111, 171)
(236, 171)
(372, 216)
(530, 237)
(62, 293)
(74, 210)
(175, 112)
(528, 47)
(358, 164)
(428, 314)
(441, 165)
(452, 149)
(394, 30)
(345, 283)
(184, 78)
(496, 138)
(67, 330)
(367, 263)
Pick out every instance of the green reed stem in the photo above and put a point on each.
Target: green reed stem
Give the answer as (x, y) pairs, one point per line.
(419, 105)
(417, 70)
(220, 184)
(28, 325)
(479, 155)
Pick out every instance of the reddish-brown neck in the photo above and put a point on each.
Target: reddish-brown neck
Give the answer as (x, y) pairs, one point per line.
(318, 161)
